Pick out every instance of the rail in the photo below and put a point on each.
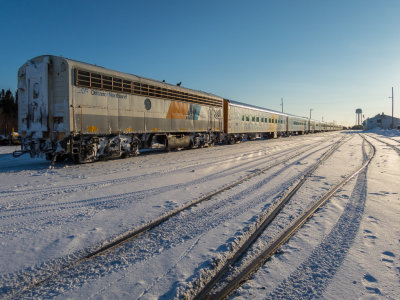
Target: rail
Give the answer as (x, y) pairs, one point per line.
(282, 238)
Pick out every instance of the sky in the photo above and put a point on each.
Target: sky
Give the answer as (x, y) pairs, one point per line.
(330, 57)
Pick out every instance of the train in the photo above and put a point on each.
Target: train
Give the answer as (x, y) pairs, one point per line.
(76, 110)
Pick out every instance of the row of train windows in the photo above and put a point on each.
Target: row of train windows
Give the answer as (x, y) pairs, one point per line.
(299, 123)
(110, 83)
(269, 120)
(263, 120)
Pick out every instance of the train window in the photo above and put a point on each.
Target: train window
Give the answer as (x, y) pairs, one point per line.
(136, 88)
(117, 84)
(144, 90)
(96, 80)
(247, 118)
(253, 119)
(257, 119)
(151, 90)
(107, 82)
(172, 95)
(262, 120)
(164, 93)
(157, 92)
(169, 94)
(242, 118)
(127, 86)
(83, 78)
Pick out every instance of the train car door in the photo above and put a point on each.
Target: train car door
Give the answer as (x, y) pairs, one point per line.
(212, 119)
(112, 113)
(38, 102)
(287, 124)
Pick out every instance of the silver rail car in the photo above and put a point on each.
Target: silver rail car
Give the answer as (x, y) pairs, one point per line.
(70, 108)
(244, 121)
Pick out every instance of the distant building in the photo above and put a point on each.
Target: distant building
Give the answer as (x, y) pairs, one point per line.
(381, 121)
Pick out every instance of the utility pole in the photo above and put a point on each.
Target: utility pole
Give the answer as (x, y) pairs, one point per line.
(310, 112)
(282, 103)
(392, 110)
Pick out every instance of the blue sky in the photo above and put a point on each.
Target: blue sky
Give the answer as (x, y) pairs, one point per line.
(330, 56)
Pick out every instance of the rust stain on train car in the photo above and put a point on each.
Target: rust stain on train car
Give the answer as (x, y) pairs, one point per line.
(178, 110)
(92, 128)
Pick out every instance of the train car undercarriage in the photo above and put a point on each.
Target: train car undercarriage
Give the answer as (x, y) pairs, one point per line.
(86, 148)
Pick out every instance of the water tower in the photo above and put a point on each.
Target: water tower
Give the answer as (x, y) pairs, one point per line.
(359, 116)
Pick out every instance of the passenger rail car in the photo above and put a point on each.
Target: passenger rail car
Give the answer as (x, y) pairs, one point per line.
(73, 109)
(88, 112)
(244, 121)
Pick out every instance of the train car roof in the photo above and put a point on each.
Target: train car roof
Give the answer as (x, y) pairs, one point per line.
(245, 105)
(100, 69)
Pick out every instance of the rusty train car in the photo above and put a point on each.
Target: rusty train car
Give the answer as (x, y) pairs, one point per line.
(68, 108)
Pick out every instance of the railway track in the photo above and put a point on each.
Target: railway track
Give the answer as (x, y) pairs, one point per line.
(33, 206)
(208, 291)
(392, 139)
(132, 234)
(39, 211)
(394, 147)
(105, 183)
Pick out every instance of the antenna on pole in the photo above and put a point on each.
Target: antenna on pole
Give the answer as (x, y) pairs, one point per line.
(392, 127)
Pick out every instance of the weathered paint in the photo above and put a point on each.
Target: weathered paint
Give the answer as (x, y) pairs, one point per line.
(178, 110)
(92, 129)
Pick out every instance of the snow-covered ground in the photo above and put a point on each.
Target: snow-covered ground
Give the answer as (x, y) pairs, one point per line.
(349, 249)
